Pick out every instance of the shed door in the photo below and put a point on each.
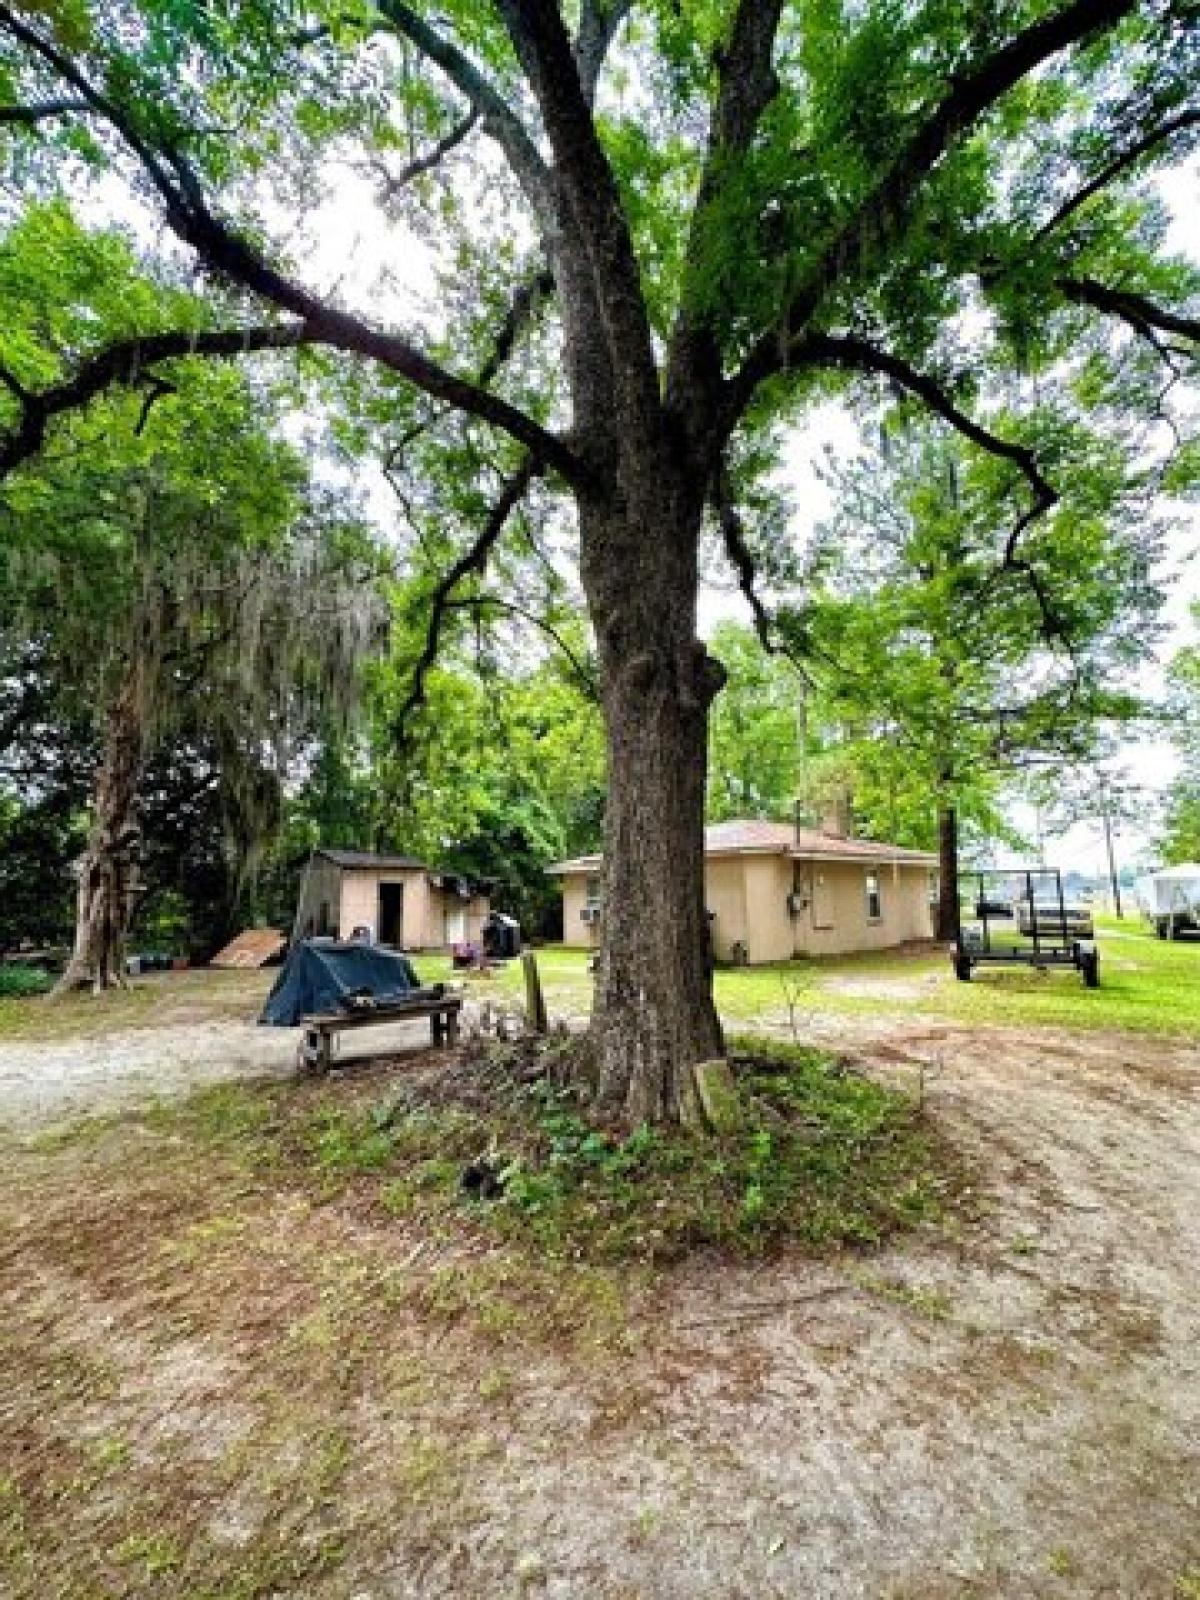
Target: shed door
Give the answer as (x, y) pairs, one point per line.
(822, 899)
(456, 922)
(390, 924)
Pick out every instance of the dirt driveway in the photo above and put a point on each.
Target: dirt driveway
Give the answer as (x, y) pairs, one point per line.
(1007, 1406)
(189, 1037)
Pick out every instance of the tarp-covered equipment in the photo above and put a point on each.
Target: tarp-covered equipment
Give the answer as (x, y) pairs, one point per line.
(324, 975)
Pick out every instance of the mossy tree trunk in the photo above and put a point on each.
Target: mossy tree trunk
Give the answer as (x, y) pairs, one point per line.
(110, 869)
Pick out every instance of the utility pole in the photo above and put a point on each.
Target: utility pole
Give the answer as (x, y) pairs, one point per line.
(1106, 818)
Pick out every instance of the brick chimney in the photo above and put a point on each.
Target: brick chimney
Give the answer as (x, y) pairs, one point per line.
(838, 818)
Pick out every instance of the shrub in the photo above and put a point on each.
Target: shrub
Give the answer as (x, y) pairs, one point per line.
(18, 983)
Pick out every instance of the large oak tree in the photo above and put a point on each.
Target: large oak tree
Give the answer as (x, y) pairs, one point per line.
(731, 203)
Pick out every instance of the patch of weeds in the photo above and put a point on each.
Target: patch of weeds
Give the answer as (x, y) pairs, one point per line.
(646, 1524)
(14, 1534)
(1061, 1563)
(154, 1553)
(239, 1119)
(328, 1458)
(71, 1135)
(202, 1239)
(278, 1566)
(426, 1470)
(514, 1300)
(1187, 1585)
(496, 1384)
(109, 1452)
(344, 1143)
(427, 1186)
(821, 1155)
(426, 1147)
(925, 1301)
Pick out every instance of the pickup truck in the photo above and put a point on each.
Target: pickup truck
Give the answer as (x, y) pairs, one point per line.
(1053, 921)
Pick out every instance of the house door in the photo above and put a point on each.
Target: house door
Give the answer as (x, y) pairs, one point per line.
(822, 899)
(456, 923)
(390, 922)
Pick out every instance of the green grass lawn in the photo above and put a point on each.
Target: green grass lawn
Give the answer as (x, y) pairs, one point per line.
(1146, 984)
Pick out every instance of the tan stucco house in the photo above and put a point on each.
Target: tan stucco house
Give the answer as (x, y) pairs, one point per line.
(401, 901)
(775, 891)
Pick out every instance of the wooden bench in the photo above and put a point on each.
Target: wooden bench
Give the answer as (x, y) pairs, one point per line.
(315, 1053)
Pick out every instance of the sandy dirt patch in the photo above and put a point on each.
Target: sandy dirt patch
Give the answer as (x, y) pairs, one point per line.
(1007, 1405)
(44, 1082)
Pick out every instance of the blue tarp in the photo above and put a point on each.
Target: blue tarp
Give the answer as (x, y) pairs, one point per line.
(320, 974)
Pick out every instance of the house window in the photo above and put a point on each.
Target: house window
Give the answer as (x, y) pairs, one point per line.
(591, 893)
(874, 898)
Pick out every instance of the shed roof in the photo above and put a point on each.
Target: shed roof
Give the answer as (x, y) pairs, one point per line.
(753, 836)
(368, 860)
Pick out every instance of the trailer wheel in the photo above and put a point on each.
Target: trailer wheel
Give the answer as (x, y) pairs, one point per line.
(962, 968)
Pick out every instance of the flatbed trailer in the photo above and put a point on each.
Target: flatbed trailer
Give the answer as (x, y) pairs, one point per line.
(1032, 895)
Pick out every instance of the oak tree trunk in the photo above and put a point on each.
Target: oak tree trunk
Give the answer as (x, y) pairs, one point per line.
(109, 871)
(654, 1016)
(948, 916)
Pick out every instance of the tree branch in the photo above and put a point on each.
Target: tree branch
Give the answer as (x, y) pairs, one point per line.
(592, 202)
(1120, 163)
(473, 560)
(527, 300)
(227, 254)
(857, 355)
(733, 535)
(1144, 316)
(747, 85)
(885, 212)
(500, 121)
(598, 24)
(493, 602)
(128, 362)
(394, 182)
(13, 385)
(62, 64)
(41, 111)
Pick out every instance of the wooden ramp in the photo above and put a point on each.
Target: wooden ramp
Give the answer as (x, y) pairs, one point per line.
(253, 948)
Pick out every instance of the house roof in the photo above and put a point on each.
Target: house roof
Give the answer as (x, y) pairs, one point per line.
(368, 859)
(811, 844)
(755, 837)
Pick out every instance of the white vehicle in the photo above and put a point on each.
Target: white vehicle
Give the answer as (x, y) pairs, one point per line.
(1170, 900)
